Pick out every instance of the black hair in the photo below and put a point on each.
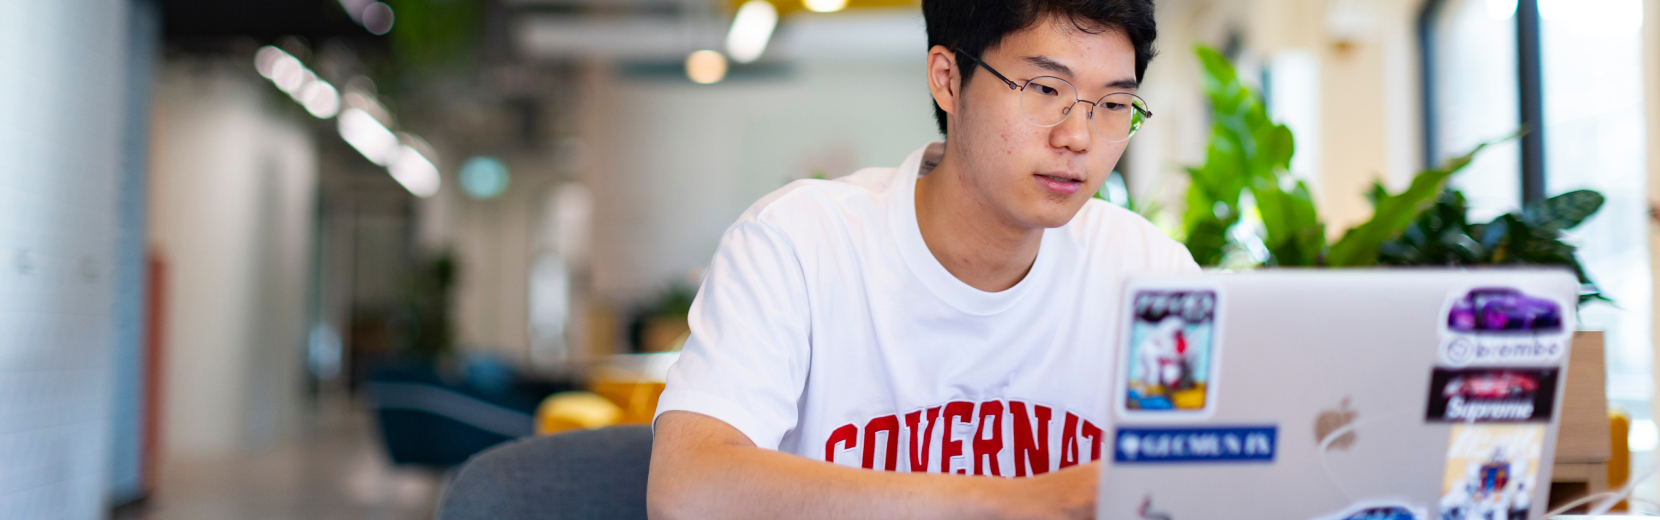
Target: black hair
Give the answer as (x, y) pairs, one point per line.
(972, 26)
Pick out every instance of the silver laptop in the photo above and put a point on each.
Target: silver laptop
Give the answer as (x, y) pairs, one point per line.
(1340, 395)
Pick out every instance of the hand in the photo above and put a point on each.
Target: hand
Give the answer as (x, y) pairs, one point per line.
(1066, 494)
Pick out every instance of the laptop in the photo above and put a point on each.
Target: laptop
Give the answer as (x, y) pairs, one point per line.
(1338, 395)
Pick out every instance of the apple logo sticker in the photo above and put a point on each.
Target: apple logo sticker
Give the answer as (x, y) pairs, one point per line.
(1330, 421)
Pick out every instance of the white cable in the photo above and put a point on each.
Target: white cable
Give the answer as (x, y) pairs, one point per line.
(1332, 436)
(1614, 497)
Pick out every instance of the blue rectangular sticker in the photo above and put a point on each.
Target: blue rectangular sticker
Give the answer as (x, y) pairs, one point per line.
(1195, 444)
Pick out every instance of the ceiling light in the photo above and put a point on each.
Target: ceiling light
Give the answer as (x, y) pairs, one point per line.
(751, 29)
(415, 172)
(706, 67)
(266, 58)
(368, 136)
(484, 178)
(825, 6)
(320, 99)
(377, 18)
(287, 73)
(306, 79)
(354, 8)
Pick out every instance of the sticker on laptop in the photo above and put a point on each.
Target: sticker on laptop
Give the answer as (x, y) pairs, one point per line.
(1492, 471)
(1492, 394)
(1169, 362)
(1501, 326)
(1138, 445)
(1379, 510)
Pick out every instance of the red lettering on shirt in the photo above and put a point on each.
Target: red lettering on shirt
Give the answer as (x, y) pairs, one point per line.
(987, 446)
(847, 434)
(886, 423)
(951, 446)
(1027, 453)
(1094, 434)
(971, 431)
(1069, 441)
(919, 458)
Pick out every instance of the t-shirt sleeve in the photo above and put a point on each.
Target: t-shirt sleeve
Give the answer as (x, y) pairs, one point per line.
(1179, 260)
(746, 360)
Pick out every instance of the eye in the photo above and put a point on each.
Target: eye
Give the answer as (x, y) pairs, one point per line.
(1115, 107)
(1045, 89)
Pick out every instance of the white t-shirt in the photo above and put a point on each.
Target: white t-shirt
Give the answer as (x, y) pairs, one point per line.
(826, 328)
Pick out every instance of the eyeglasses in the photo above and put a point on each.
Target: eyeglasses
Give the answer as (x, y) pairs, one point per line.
(1047, 101)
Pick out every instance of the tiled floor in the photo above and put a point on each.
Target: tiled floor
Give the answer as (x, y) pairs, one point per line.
(336, 470)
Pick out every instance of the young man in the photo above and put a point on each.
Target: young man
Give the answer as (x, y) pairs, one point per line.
(952, 317)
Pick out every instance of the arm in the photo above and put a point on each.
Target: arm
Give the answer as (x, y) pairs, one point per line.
(703, 468)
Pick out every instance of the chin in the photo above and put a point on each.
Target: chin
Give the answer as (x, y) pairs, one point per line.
(1053, 216)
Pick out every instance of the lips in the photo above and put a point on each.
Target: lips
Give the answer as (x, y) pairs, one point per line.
(1060, 183)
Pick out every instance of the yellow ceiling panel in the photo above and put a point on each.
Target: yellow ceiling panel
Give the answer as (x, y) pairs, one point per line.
(785, 7)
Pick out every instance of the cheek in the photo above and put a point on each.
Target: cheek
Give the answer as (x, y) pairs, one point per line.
(1105, 156)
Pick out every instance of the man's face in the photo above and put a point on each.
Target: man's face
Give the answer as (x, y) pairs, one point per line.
(1037, 176)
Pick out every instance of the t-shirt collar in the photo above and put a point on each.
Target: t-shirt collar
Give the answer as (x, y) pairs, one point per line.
(927, 268)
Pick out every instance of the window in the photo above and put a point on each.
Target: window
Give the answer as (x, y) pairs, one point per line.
(1476, 100)
(1594, 138)
(1590, 77)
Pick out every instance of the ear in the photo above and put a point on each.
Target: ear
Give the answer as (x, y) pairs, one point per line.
(943, 79)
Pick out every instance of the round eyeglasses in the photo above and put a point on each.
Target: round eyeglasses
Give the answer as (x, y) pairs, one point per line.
(1047, 101)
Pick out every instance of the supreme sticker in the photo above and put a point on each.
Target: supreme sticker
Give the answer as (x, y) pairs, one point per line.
(1195, 444)
(1492, 394)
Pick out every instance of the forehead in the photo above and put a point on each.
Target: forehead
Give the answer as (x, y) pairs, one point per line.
(1090, 50)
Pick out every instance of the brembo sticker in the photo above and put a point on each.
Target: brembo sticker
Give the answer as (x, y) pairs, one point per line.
(1499, 326)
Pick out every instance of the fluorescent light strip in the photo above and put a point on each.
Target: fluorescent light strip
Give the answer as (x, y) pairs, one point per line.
(368, 136)
(360, 129)
(415, 172)
(751, 29)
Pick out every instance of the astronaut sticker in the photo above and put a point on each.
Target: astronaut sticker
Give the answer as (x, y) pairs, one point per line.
(1171, 355)
(1492, 471)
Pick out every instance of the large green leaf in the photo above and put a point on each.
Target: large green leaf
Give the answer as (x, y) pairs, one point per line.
(1563, 211)
(1245, 148)
(1393, 213)
(1295, 236)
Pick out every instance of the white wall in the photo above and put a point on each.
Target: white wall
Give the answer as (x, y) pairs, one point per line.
(231, 210)
(1365, 109)
(676, 163)
(492, 243)
(61, 92)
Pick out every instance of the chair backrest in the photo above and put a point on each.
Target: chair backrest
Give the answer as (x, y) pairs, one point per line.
(575, 475)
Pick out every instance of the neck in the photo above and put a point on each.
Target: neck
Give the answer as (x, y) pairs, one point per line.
(976, 241)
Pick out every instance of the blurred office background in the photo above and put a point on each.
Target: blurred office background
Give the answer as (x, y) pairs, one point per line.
(293, 259)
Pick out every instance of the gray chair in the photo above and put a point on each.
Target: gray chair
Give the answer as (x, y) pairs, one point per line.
(589, 474)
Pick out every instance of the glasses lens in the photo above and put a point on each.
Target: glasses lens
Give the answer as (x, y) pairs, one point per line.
(1118, 116)
(1047, 101)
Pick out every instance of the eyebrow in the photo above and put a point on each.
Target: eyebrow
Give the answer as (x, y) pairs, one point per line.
(1049, 64)
(1126, 84)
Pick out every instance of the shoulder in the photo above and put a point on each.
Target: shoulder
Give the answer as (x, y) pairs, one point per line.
(1102, 228)
(812, 200)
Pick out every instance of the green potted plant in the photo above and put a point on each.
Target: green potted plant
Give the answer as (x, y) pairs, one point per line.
(1426, 224)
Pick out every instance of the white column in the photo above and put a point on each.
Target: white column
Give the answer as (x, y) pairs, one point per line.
(61, 104)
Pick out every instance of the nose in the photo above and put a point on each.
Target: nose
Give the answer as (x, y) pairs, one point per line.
(1073, 132)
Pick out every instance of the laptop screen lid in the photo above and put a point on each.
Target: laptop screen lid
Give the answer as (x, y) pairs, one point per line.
(1337, 394)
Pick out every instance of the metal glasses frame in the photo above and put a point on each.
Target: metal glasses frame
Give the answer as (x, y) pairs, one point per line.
(1145, 114)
